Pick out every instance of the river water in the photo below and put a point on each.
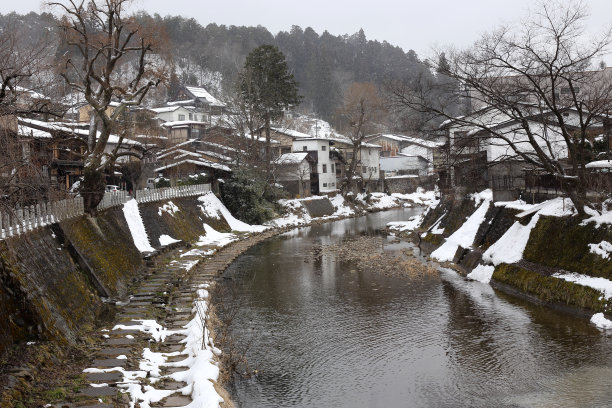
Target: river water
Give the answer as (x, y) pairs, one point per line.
(323, 334)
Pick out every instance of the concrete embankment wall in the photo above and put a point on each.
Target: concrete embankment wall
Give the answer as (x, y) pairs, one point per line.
(556, 244)
(53, 280)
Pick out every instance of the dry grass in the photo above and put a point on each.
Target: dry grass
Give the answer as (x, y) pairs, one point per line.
(367, 254)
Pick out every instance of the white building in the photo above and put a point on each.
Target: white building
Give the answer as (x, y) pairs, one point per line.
(180, 114)
(323, 179)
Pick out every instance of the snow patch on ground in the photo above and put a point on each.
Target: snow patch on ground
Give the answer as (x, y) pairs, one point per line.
(484, 195)
(212, 206)
(482, 273)
(602, 249)
(465, 235)
(599, 320)
(169, 208)
(166, 240)
(380, 201)
(214, 237)
(599, 219)
(420, 197)
(136, 226)
(600, 284)
(510, 247)
(340, 205)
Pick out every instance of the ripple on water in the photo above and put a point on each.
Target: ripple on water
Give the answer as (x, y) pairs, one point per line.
(323, 337)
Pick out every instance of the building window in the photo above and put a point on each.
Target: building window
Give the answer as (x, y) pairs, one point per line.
(332, 167)
(325, 168)
(333, 184)
(181, 117)
(304, 148)
(364, 169)
(323, 148)
(191, 116)
(324, 184)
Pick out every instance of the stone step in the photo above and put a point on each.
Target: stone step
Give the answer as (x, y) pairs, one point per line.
(98, 391)
(119, 341)
(175, 401)
(110, 362)
(110, 377)
(114, 351)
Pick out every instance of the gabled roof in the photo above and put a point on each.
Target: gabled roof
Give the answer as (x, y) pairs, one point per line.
(408, 139)
(291, 133)
(291, 158)
(198, 162)
(201, 93)
(71, 129)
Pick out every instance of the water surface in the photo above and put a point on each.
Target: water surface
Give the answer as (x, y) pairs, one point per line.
(323, 334)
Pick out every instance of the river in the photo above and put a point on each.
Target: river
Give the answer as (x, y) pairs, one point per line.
(321, 333)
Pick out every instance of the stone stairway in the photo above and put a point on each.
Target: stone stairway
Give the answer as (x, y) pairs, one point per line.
(165, 301)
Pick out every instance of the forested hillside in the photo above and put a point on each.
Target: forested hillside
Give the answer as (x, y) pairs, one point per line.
(323, 64)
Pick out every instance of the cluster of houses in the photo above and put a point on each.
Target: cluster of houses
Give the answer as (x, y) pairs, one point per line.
(192, 136)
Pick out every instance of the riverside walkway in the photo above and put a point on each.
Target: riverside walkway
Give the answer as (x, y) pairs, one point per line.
(142, 358)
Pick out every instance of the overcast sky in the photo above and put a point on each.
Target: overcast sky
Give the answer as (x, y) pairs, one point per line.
(411, 24)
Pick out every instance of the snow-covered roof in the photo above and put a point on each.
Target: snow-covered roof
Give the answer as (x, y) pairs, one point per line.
(261, 139)
(72, 128)
(291, 132)
(202, 93)
(410, 139)
(165, 109)
(182, 102)
(599, 164)
(215, 154)
(27, 131)
(182, 123)
(291, 158)
(200, 162)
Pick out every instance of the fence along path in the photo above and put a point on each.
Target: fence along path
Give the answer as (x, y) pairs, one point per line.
(31, 217)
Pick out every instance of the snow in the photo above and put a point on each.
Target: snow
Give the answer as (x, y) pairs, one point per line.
(291, 158)
(420, 197)
(136, 226)
(515, 205)
(340, 205)
(601, 322)
(599, 219)
(510, 247)
(600, 164)
(381, 201)
(413, 223)
(600, 284)
(602, 249)
(212, 205)
(216, 238)
(465, 235)
(166, 240)
(169, 208)
(482, 273)
(485, 195)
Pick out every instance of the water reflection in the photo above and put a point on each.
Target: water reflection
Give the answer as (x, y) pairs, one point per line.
(325, 334)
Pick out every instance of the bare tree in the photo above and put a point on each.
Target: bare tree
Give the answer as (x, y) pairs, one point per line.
(102, 42)
(23, 157)
(362, 107)
(541, 78)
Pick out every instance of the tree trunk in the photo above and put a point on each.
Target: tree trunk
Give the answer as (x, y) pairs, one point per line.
(268, 152)
(92, 189)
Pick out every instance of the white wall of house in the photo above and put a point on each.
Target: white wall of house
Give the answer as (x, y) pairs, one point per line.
(405, 164)
(325, 167)
(498, 150)
(370, 162)
(180, 113)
